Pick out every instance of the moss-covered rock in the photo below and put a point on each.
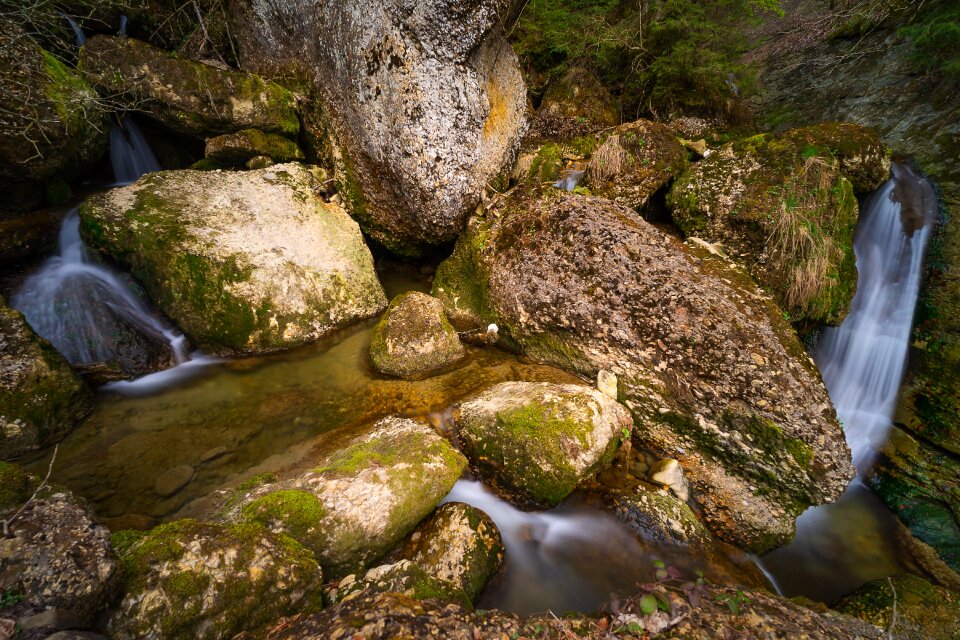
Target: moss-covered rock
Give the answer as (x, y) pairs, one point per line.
(57, 554)
(403, 577)
(40, 396)
(241, 261)
(360, 501)
(16, 485)
(784, 206)
(242, 146)
(713, 374)
(660, 517)
(188, 579)
(187, 96)
(51, 123)
(414, 338)
(921, 486)
(538, 441)
(634, 161)
(923, 611)
(458, 544)
(574, 105)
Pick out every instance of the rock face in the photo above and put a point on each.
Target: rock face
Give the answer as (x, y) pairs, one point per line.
(188, 579)
(405, 578)
(361, 500)
(540, 440)
(239, 147)
(784, 205)
(187, 96)
(376, 616)
(241, 261)
(424, 105)
(414, 338)
(40, 396)
(458, 544)
(58, 556)
(634, 161)
(574, 105)
(713, 374)
(923, 611)
(52, 123)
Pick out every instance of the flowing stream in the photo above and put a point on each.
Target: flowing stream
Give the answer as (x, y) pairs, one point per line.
(841, 546)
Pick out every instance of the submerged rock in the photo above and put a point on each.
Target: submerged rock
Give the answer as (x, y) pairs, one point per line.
(241, 261)
(540, 440)
(923, 611)
(58, 556)
(458, 544)
(784, 206)
(249, 144)
(187, 96)
(359, 501)
(52, 122)
(633, 161)
(713, 374)
(405, 578)
(41, 398)
(414, 338)
(188, 579)
(423, 104)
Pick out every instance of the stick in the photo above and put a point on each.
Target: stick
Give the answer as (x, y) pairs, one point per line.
(9, 521)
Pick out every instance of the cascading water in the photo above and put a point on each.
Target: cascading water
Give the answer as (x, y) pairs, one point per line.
(840, 546)
(130, 154)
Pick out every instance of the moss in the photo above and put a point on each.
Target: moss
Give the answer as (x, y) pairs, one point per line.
(547, 165)
(16, 485)
(461, 283)
(297, 513)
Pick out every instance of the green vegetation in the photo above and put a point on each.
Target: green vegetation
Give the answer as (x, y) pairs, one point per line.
(935, 32)
(656, 55)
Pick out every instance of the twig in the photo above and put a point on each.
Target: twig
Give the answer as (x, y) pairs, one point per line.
(893, 615)
(9, 521)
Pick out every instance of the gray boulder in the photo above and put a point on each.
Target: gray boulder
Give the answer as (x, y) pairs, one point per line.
(414, 338)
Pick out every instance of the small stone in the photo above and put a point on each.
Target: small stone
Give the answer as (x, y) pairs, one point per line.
(607, 383)
(414, 338)
(259, 162)
(669, 473)
(172, 480)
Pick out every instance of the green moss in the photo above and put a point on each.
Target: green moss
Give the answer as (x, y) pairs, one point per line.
(461, 282)
(298, 513)
(186, 584)
(547, 165)
(16, 485)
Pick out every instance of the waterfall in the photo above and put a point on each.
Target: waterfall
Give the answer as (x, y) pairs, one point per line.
(863, 360)
(81, 37)
(130, 154)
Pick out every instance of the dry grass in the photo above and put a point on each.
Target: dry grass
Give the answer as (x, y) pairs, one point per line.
(608, 161)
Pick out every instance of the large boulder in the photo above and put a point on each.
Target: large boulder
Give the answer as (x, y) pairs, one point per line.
(360, 501)
(52, 121)
(785, 206)
(57, 555)
(241, 261)
(713, 374)
(187, 96)
(414, 338)
(538, 441)
(459, 544)
(188, 579)
(424, 104)
(910, 608)
(40, 396)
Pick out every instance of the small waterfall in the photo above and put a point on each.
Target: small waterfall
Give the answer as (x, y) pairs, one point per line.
(81, 36)
(571, 178)
(863, 360)
(130, 154)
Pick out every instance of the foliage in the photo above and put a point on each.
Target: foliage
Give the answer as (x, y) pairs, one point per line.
(656, 55)
(935, 33)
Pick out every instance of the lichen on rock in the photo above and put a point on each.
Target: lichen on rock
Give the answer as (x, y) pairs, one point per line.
(414, 338)
(538, 441)
(241, 261)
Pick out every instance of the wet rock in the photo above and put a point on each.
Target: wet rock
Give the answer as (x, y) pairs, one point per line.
(30, 234)
(241, 261)
(713, 374)
(540, 440)
(359, 501)
(669, 473)
(482, 337)
(187, 96)
(403, 577)
(240, 147)
(660, 517)
(375, 616)
(414, 338)
(575, 104)
(784, 206)
(58, 557)
(458, 544)
(423, 105)
(633, 161)
(16, 485)
(52, 122)
(923, 611)
(172, 480)
(188, 579)
(40, 396)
